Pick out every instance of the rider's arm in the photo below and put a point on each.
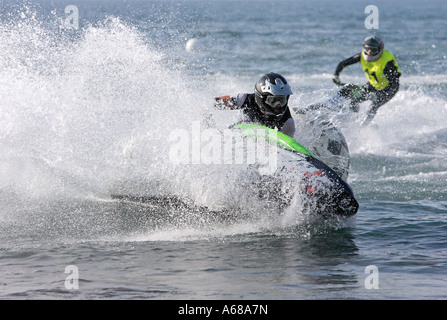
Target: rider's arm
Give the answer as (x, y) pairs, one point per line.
(289, 127)
(392, 74)
(287, 124)
(347, 62)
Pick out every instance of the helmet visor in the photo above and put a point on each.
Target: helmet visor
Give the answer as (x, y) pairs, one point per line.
(276, 102)
(370, 51)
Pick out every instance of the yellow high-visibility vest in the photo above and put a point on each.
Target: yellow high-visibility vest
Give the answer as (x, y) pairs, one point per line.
(374, 70)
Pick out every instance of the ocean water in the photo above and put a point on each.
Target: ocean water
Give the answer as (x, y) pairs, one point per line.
(91, 90)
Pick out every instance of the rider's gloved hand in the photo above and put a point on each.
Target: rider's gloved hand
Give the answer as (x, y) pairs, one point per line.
(224, 102)
(358, 93)
(336, 80)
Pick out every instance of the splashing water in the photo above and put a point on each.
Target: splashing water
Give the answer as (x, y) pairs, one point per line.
(89, 115)
(74, 110)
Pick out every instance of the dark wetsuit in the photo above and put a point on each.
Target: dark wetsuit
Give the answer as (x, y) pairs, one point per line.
(252, 112)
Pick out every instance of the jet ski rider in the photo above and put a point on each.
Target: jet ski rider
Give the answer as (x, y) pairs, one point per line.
(267, 106)
(382, 71)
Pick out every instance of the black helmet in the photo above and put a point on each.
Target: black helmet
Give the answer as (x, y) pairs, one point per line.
(372, 48)
(272, 94)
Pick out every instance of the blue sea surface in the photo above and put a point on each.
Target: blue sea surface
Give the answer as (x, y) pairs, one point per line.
(86, 106)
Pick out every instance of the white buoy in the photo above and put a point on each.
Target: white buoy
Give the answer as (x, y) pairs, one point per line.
(190, 44)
